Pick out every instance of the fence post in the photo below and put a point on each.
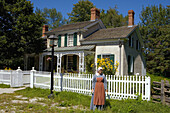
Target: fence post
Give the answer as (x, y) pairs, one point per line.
(18, 69)
(32, 78)
(20, 76)
(162, 92)
(148, 87)
(61, 83)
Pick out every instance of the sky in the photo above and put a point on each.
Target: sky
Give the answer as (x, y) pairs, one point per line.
(66, 6)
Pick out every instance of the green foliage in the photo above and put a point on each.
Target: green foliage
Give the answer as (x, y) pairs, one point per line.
(155, 30)
(52, 18)
(20, 32)
(89, 59)
(112, 18)
(157, 78)
(4, 86)
(81, 11)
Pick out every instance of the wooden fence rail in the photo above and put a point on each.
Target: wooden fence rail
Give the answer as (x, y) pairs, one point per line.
(161, 91)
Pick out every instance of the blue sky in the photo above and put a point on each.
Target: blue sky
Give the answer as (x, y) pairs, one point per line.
(65, 6)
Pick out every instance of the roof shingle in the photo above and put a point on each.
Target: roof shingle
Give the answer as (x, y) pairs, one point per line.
(110, 33)
(77, 25)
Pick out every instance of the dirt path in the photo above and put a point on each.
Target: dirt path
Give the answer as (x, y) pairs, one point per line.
(10, 90)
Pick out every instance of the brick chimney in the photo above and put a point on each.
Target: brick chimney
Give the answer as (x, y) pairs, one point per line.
(131, 14)
(44, 29)
(95, 14)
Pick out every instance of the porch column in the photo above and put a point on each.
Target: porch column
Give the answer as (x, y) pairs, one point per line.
(83, 69)
(81, 62)
(40, 62)
(59, 56)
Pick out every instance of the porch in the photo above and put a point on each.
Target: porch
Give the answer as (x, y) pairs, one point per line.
(66, 59)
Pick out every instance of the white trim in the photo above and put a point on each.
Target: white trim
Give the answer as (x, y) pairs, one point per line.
(101, 41)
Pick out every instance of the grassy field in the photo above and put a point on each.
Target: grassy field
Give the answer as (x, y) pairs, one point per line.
(4, 86)
(36, 100)
(157, 78)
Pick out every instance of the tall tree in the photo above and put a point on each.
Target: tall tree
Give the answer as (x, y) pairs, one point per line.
(20, 32)
(81, 11)
(154, 27)
(52, 17)
(112, 18)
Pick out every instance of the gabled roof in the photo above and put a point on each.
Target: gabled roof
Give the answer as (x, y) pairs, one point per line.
(111, 33)
(74, 26)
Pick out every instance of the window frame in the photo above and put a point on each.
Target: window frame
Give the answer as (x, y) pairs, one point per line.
(68, 40)
(109, 57)
(137, 45)
(131, 41)
(130, 64)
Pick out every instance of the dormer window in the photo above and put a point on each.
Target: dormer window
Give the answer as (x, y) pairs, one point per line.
(70, 40)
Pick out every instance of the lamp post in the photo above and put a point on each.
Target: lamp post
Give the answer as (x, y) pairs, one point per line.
(52, 44)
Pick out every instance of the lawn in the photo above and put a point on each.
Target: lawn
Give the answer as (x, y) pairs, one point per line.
(36, 100)
(4, 86)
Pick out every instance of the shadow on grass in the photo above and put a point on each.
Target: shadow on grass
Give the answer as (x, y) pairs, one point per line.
(107, 104)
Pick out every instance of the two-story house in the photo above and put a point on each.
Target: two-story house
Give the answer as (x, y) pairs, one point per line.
(75, 41)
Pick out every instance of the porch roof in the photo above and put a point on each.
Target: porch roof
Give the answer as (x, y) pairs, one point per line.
(72, 48)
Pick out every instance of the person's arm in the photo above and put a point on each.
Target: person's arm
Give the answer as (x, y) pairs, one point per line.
(105, 84)
(93, 83)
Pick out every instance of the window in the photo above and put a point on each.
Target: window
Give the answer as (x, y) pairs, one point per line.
(131, 38)
(70, 62)
(70, 40)
(110, 56)
(137, 45)
(130, 64)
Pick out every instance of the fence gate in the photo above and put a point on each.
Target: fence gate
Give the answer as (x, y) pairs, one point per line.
(17, 79)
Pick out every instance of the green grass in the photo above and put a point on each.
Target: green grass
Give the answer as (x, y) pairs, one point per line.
(68, 99)
(4, 86)
(157, 78)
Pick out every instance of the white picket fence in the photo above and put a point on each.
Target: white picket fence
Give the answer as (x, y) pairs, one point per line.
(14, 78)
(119, 87)
(11, 77)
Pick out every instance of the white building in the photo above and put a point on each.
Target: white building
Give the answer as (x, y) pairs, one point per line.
(75, 41)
